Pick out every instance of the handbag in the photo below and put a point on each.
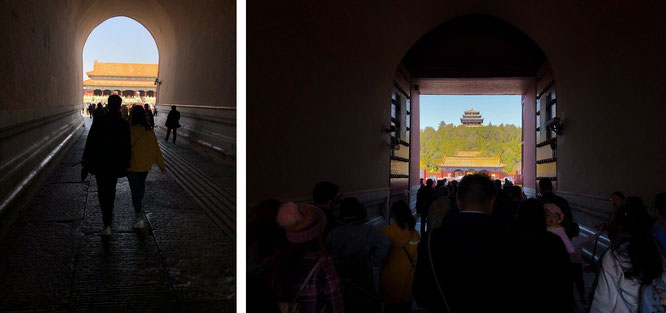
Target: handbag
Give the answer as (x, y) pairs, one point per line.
(293, 307)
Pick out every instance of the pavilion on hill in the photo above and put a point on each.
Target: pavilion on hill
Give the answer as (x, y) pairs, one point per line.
(472, 118)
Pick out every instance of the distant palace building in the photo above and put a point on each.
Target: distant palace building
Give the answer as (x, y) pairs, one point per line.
(134, 82)
(469, 162)
(472, 118)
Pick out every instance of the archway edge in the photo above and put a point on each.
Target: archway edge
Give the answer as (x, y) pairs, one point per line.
(443, 20)
(148, 13)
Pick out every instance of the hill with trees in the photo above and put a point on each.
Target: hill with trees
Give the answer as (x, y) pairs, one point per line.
(491, 140)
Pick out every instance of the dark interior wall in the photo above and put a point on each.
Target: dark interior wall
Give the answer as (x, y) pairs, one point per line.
(319, 77)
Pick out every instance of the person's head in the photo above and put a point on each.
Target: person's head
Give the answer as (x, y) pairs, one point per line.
(114, 103)
(99, 105)
(146, 107)
(440, 183)
(454, 184)
(632, 216)
(403, 215)
(476, 193)
(429, 182)
(545, 185)
(302, 222)
(554, 215)
(173, 107)
(515, 193)
(325, 194)
(352, 211)
(636, 243)
(660, 205)
(498, 184)
(616, 199)
(532, 217)
(138, 117)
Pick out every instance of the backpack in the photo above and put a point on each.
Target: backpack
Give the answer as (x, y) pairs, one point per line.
(653, 297)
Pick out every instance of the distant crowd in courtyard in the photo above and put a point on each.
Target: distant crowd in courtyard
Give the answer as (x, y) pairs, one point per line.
(482, 246)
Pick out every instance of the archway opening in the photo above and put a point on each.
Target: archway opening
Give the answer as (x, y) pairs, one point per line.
(473, 55)
(121, 57)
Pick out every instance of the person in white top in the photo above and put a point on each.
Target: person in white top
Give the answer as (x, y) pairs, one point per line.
(634, 260)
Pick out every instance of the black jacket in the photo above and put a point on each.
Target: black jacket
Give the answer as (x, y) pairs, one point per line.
(474, 264)
(172, 119)
(108, 146)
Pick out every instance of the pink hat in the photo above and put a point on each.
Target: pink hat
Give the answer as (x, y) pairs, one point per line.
(302, 222)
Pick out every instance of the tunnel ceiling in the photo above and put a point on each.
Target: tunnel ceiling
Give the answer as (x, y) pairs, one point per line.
(474, 46)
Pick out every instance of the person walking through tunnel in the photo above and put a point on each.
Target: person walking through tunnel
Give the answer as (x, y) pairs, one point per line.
(308, 276)
(397, 273)
(358, 248)
(107, 156)
(99, 111)
(150, 118)
(544, 282)
(467, 255)
(172, 123)
(424, 198)
(145, 152)
(635, 260)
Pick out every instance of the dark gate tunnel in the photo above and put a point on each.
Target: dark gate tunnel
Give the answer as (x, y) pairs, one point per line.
(49, 220)
(333, 96)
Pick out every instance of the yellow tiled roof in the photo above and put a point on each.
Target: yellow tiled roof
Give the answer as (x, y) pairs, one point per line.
(123, 69)
(469, 159)
(118, 83)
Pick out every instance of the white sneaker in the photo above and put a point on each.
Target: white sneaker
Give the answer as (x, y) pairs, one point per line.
(139, 223)
(107, 231)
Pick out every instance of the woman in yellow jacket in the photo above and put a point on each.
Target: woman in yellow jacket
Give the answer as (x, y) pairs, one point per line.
(397, 272)
(145, 152)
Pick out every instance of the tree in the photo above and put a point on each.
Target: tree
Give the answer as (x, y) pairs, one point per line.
(503, 141)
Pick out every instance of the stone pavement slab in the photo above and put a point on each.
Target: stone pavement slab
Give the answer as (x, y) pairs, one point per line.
(54, 259)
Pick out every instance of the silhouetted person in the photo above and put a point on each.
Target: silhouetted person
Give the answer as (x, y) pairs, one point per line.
(635, 259)
(472, 260)
(424, 198)
(151, 119)
(547, 196)
(145, 152)
(99, 111)
(107, 155)
(358, 248)
(659, 227)
(305, 256)
(397, 273)
(124, 111)
(91, 109)
(544, 283)
(506, 213)
(326, 196)
(172, 123)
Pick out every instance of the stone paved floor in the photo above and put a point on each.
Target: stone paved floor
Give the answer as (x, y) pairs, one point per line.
(54, 259)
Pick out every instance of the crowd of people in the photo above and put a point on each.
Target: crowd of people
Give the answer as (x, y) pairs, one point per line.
(121, 143)
(482, 247)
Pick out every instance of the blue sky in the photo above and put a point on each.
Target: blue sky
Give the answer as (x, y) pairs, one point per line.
(450, 108)
(119, 39)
